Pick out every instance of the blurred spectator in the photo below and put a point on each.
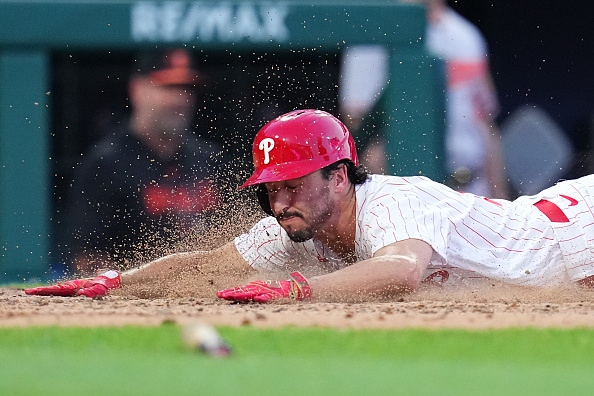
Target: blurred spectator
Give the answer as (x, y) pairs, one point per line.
(472, 139)
(363, 77)
(150, 184)
(473, 146)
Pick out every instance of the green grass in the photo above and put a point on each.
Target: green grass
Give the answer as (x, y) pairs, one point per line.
(296, 361)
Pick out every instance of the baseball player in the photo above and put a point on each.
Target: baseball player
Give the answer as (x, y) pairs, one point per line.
(340, 232)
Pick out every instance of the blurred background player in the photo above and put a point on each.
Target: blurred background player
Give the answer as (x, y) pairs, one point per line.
(472, 140)
(147, 185)
(473, 147)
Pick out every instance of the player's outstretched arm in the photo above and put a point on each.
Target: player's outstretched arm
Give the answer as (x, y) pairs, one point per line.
(395, 269)
(226, 258)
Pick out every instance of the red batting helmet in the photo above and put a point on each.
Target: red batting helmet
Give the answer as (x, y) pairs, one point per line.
(298, 143)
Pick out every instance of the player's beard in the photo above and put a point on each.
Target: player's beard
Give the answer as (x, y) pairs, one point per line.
(314, 220)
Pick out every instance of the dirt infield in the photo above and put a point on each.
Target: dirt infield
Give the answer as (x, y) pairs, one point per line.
(493, 307)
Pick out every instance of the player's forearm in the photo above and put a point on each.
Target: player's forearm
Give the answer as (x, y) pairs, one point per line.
(161, 267)
(384, 276)
(225, 260)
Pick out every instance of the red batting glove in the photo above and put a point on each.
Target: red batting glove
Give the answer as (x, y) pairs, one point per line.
(296, 288)
(98, 286)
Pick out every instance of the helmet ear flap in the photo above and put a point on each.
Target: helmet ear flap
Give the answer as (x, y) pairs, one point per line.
(262, 194)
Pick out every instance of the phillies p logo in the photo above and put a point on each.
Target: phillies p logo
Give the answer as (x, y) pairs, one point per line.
(266, 145)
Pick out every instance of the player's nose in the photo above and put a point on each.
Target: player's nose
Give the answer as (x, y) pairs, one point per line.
(279, 202)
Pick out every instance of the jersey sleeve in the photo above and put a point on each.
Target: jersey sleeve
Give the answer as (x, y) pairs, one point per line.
(260, 245)
(267, 247)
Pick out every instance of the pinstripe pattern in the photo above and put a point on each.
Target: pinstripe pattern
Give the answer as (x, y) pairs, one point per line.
(493, 238)
(267, 246)
(472, 237)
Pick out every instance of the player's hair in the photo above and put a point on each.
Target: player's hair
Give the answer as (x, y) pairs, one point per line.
(356, 174)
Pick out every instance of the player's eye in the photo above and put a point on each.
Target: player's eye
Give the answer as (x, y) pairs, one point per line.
(271, 188)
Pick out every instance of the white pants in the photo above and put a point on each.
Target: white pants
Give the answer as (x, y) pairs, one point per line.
(575, 235)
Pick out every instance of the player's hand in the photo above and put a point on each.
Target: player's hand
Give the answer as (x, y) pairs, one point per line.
(296, 288)
(98, 286)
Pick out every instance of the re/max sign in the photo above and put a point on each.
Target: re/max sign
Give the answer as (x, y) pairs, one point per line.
(200, 21)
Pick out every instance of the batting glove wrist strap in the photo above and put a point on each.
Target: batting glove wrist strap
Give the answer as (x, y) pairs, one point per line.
(300, 289)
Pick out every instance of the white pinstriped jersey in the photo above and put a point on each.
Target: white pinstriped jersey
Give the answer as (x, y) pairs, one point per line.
(471, 236)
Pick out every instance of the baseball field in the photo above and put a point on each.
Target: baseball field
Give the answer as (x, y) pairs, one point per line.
(490, 340)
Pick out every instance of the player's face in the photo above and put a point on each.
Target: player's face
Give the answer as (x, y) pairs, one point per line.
(301, 206)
